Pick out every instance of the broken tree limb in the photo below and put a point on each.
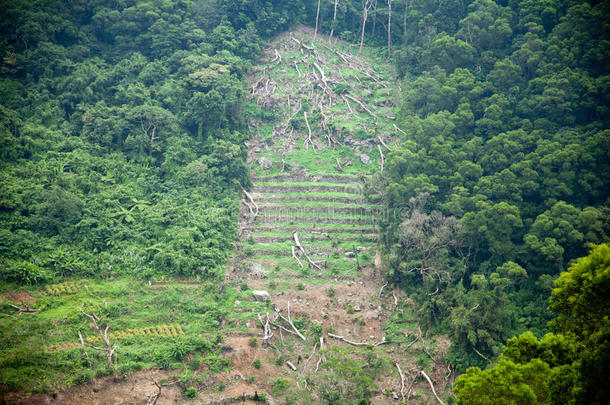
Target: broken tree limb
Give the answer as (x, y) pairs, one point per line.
(292, 366)
(402, 381)
(296, 257)
(480, 354)
(381, 290)
(268, 334)
(26, 310)
(277, 57)
(431, 386)
(382, 157)
(395, 299)
(298, 70)
(383, 143)
(298, 244)
(152, 400)
(249, 198)
(356, 343)
(347, 104)
(289, 320)
(308, 140)
(399, 130)
(318, 363)
(354, 99)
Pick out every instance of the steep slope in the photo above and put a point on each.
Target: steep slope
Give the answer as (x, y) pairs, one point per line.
(309, 236)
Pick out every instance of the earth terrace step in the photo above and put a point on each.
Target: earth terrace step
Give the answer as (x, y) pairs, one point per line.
(360, 211)
(316, 253)
(276, 189)
(267, 198)
(298, 177)
(296, 228)
(278, 238)
(273, 218)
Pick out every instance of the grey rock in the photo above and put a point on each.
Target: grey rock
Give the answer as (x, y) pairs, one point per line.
(265, 163)
(365, 159)
(350, 254)
(356, 308)
(261, 295)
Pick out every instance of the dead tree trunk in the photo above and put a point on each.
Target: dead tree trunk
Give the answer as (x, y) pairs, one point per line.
(366, 6)
(315, 34)
(110, 348)
(332, 26)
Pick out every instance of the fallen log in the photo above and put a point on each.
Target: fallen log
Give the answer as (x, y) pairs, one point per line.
(383, 143)
(356, 343)
(431, 386)
(361, 105)
(402, 382)
(399, 130)
(26, 310)
(292, 366)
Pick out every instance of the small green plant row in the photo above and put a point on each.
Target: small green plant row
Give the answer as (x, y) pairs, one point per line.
(160, 330)
(65, 288)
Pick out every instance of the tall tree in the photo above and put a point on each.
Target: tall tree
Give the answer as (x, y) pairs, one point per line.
(366, 6)
(315, 34)
(332, 26)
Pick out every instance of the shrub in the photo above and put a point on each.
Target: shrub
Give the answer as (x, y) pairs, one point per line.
(257, 363)
(252, 342)
(300, 287)
(24, 272)
(350, 309)
(190, 392)
(194, 364)
(330, 292)
(250, 379)
(279, 360)
(280, 386)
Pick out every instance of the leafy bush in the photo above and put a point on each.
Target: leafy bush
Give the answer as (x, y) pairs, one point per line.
(280, 386)
(190, 393)
(24, 272)
(257, 363)
(252, 342)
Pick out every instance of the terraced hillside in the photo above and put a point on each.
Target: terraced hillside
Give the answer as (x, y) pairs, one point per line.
(309, 237)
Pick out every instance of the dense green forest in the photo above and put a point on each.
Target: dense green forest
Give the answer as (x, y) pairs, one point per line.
(123, 141)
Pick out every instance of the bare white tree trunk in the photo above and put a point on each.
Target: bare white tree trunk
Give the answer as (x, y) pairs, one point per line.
(317, 17)
(332, 27)
(366, 6)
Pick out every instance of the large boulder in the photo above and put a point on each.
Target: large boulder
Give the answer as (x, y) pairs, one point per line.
(261, 295)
